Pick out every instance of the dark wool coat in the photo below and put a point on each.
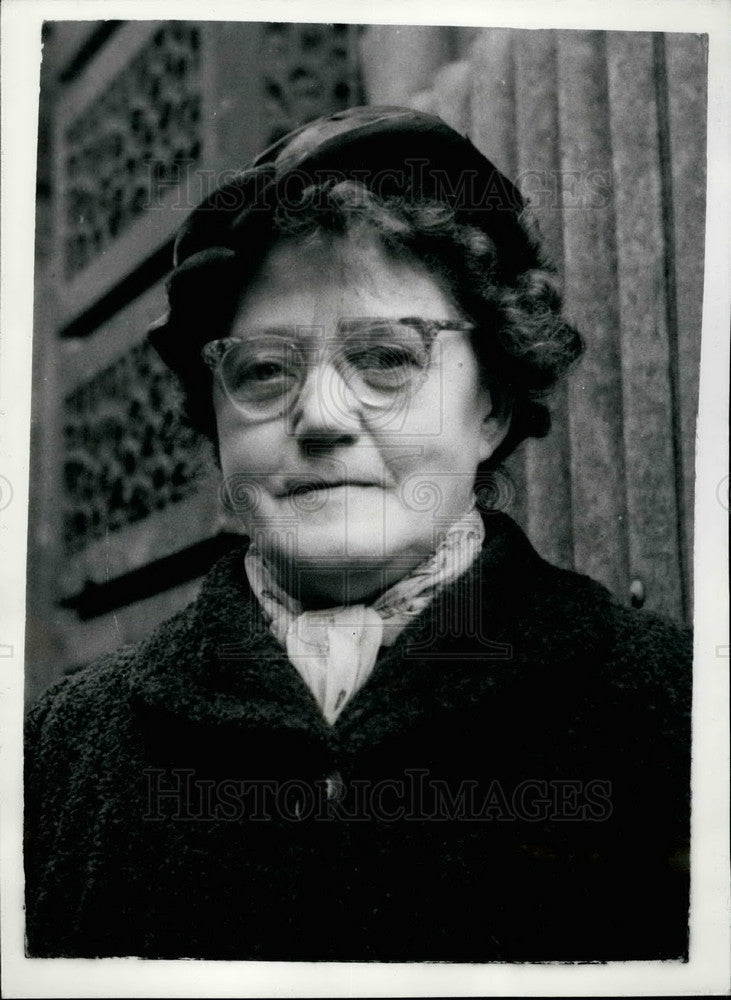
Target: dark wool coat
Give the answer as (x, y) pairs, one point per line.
(510, 784)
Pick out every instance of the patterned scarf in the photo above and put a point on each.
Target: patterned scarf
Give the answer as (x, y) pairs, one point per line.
(335, 650)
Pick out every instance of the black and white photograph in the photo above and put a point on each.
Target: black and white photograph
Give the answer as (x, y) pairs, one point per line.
(373, 376)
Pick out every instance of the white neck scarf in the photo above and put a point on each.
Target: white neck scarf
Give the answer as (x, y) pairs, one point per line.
(335, 650)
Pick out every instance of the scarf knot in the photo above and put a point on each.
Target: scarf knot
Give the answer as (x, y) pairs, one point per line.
(335, 650)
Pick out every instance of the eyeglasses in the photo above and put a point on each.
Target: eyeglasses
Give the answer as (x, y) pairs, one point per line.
(382, 362)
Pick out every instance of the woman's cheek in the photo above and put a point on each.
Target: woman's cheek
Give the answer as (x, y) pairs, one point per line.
(256, 450)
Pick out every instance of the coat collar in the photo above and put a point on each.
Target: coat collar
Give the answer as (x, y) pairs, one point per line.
(510, 617)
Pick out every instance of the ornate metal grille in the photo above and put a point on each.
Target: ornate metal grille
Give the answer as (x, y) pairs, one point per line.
(140, 131)
(126, 454)
(310, 70)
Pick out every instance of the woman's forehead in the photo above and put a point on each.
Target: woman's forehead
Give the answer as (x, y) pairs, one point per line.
(322, 279)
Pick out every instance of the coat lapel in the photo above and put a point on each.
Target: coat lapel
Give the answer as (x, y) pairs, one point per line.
(217, 663)
(513, 623)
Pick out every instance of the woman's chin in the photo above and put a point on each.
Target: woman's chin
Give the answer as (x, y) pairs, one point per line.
(331, 570)
(343, 562)
(342, 545)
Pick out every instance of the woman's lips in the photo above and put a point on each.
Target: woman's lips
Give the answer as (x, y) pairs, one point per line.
(316, 485)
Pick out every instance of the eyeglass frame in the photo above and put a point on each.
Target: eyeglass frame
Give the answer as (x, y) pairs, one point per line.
(215, 351)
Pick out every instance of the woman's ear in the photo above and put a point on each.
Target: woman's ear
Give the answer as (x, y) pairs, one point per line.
(496, 423)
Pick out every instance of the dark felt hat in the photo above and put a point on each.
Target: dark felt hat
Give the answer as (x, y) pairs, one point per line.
(391, 150)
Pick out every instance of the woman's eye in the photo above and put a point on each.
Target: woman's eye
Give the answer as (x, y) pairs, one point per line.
(388, 367)
(251, 376)
(386, 358)
(263, 371)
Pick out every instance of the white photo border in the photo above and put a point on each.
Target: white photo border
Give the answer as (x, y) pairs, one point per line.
(709, 968)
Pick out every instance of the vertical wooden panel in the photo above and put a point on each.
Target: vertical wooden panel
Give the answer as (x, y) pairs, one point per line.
(548, 461)
(452, 94)
(462, 41)
(647, 397)
(235, 127)
(399, 60)
(492, 102)
(44, 632)
(43, 637)
(595, 392)
(686, 67)
(492, 129)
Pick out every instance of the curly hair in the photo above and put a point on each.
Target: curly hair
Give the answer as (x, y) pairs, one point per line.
(521, 339)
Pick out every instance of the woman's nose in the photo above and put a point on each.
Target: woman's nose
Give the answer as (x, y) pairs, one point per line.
(327, 410)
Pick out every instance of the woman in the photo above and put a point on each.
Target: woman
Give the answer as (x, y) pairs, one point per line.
(386, 729)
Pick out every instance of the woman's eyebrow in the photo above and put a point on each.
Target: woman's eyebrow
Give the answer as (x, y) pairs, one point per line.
(360, 322)
(427, 327)
(276, 330)
(344, 325)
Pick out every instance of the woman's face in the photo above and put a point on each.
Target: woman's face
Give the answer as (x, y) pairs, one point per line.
(344, 490)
